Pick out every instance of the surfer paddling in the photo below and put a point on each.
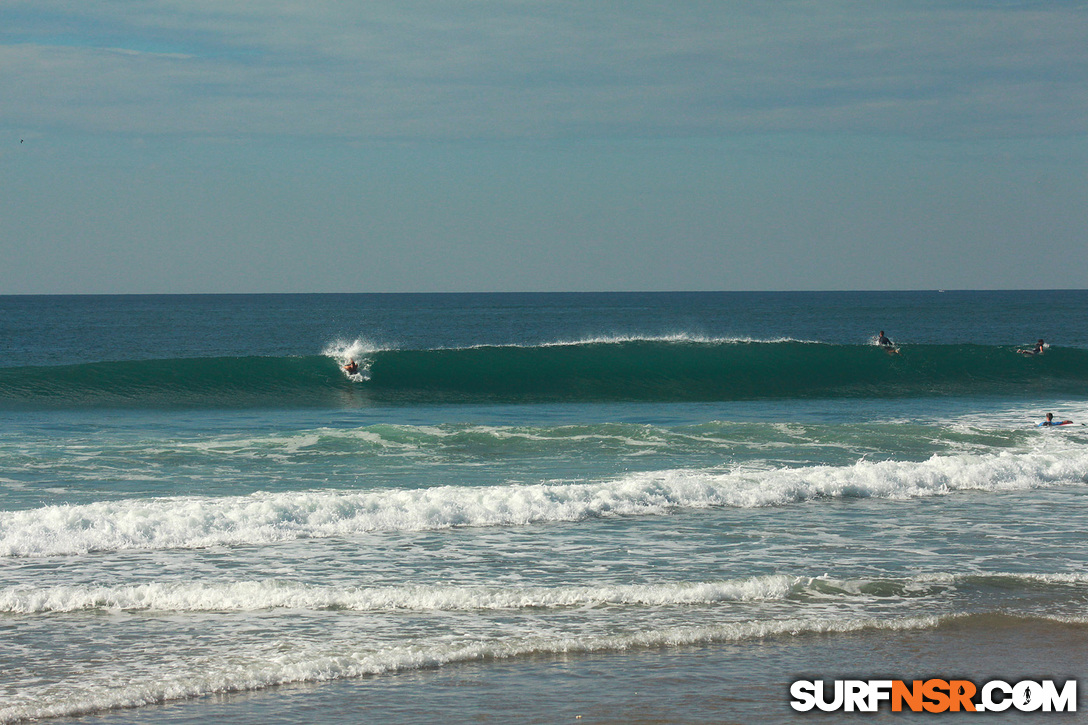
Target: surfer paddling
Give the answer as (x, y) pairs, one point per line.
(1037, 350)
(1049, 422)
(351, 368)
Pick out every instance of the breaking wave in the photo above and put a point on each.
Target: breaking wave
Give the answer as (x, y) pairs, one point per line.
(671, 368)
(264, 518)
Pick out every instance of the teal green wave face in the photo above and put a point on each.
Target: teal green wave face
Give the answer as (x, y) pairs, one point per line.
(640, 370)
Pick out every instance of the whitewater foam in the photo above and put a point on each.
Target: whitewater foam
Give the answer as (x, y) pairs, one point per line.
(263, 518)
(246, 596)
(679, 337)
(258, 595)
(315, 663)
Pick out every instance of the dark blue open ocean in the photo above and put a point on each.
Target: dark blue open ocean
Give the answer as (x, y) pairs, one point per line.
(533, 507)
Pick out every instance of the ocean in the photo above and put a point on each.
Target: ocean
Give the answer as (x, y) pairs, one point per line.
(594, 508)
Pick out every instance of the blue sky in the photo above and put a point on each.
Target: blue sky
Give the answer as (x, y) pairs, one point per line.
(476, 145)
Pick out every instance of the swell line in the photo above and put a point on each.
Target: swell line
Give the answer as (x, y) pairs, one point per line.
(682, 368)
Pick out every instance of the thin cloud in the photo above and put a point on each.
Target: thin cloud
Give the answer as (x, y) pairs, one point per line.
(489, 69)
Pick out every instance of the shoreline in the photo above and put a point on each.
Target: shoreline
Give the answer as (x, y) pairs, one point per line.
(734, 682)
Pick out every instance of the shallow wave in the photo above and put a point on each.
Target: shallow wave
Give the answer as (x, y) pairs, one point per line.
(262, 518)
(258, 595)
(315, 664)
(668, 368)
(261, 595)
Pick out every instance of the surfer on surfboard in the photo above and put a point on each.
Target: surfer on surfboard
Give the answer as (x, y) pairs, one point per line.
(1051, 422)
(888, 345)
(352, 368)
(1037, 350)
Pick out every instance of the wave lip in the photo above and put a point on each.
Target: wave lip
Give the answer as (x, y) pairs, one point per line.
(266, 518)
(677, 338)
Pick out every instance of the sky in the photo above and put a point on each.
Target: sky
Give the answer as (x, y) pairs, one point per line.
(177, 146)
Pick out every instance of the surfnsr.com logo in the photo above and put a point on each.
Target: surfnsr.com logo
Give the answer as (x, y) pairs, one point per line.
(934, 695)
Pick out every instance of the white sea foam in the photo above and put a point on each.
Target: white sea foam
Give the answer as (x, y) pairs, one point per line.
(251, 596)
(321, 664)
(343, 350)
(679, 337)
(261, 518)
(284, 446)
(247, 596)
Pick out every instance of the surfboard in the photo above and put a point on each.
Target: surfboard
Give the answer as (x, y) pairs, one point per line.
(1053, 425)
